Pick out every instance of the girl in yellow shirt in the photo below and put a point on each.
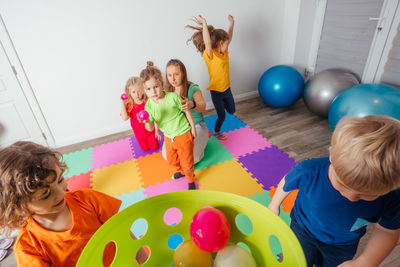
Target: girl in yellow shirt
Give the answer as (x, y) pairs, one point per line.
(213, 43)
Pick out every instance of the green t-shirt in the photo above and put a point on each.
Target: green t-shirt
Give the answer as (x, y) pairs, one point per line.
(197, 116)
(168, 115)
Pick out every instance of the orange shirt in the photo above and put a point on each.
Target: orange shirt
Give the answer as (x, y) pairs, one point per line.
(37, 246)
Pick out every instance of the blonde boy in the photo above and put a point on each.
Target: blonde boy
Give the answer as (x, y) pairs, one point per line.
(339, 196)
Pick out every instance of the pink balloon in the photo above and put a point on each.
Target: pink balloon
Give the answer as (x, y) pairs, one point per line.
(124, 97)
(210, 229)
(143, 115)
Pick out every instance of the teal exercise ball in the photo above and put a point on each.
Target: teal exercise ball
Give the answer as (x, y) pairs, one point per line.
(280, 86)
(365, 99)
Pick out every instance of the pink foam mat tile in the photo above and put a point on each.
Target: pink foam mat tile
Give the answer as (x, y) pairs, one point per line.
(111, 153)
(244, 141)
(167, 187)
(79, 181)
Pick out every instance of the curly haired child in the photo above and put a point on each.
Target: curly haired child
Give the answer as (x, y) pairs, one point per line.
(55, 225)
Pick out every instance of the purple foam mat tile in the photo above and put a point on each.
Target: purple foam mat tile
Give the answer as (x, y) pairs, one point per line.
(268, 165)
(139, 152)
(111, 153)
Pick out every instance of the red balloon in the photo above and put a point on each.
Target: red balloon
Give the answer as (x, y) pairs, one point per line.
(210, 229)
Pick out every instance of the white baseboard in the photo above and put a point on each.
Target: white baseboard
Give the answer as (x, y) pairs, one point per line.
(104, 132)
(92, 135)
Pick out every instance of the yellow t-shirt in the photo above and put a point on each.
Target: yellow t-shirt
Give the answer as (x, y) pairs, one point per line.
(218, 69)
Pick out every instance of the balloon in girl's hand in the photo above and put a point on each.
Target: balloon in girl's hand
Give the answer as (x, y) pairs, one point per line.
(124, 97)
(143, 115)
(189, 255)
(210, 229)
(234, 256)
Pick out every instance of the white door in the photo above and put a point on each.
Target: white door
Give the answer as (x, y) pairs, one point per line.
(359, 35)
(17, 121)
(347, 34)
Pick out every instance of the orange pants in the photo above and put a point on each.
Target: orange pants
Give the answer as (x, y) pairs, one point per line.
(180, 154)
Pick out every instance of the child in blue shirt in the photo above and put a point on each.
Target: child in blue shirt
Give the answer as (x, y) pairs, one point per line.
(339, 196)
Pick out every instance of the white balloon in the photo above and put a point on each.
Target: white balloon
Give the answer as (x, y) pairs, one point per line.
(234, 256)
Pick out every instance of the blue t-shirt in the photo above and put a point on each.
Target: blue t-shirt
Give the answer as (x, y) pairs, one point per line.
(331, 218)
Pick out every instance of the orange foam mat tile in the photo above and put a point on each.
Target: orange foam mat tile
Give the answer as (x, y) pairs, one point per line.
(288, 203)
(228, 177)
(154, 169)
(117, 179)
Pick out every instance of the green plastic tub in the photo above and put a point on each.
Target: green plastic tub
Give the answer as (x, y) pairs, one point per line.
(252, 226)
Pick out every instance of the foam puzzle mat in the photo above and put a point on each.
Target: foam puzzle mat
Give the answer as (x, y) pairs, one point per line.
(246, 164)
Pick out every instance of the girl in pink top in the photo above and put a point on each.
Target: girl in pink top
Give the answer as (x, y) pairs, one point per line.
(130, 109)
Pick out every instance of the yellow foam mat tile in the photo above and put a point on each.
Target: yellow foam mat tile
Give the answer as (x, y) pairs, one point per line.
(228, 177)
(117, 179)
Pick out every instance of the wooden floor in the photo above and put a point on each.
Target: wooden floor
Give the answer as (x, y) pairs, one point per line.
(295, 130)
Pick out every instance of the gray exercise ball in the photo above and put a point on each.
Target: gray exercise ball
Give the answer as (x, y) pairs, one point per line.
(322, 88)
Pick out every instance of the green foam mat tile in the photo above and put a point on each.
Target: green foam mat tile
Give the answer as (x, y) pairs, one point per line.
(214, 154)
(78, 162)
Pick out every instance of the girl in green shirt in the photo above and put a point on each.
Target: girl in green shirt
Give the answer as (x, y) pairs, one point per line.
(165, 114)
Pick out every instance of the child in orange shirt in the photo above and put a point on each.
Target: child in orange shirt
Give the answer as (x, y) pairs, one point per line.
(55, 224)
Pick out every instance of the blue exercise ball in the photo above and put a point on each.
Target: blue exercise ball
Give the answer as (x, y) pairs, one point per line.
(365, 99)
(280, 86)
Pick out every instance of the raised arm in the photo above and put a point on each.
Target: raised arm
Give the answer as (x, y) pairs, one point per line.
(230, 30)
(278, 198)
(206, 34)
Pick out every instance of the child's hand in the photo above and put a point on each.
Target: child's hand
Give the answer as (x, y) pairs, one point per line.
(200, 19)
(186, 104)
(275, 209)
(230, 18)
(158, 135)
(194, 133)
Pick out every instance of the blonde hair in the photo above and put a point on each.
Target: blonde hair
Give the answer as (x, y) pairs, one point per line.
(138, 84)
(25, 167)
(365, 153)
(151, 71)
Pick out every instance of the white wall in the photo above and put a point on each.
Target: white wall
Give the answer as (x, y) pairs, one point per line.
(290, 30)
(310, 22)
(305, 33)
(78, 54)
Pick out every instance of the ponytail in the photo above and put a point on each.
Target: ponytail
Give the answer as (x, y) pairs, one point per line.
(151, 71)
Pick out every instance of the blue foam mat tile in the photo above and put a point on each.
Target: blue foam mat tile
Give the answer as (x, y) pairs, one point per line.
(231, 123)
